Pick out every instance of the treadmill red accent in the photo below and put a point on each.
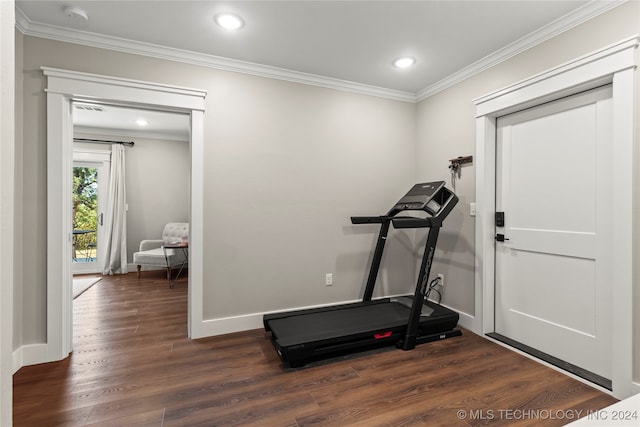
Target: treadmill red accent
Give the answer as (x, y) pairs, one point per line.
(305, 335)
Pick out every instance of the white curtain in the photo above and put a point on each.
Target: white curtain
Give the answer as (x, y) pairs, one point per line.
(115, 235)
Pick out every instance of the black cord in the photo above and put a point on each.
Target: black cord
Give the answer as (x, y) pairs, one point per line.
(432, 287)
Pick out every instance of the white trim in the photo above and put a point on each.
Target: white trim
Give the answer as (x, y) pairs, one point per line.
(623, 232)
(595, 67)
(29, 354)
(196, 228)
(244, 322)
(229, 325)
(63, 87)
(91, 155)
(71, 79)
(615, 64)
(565, 23)
(122, 91)
(68, 35)
(59, 232)
(16, 359)
(8, 193)
(485, 217)
(585, 13)
(466, 320)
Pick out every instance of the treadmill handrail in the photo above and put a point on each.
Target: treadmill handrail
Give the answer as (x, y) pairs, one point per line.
(405, 222)
(369, 219)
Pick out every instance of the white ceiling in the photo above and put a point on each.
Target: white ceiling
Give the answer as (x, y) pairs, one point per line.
(343, 44)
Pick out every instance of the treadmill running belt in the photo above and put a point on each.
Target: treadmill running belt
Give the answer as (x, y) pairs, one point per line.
(338, 323)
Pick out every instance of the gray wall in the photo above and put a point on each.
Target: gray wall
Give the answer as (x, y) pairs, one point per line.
(157, 173)
(284, 174)
(33, 172)
(285, 166)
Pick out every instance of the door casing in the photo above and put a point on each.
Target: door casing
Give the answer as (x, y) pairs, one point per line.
(614, 64)
(63, 88)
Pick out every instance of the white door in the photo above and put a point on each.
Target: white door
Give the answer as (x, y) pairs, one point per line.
(553, 274)
(91, 178)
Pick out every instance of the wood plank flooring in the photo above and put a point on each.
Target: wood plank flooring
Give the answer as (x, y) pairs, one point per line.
(133, 365)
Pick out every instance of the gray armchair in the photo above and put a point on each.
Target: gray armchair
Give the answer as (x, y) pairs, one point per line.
(152, 254)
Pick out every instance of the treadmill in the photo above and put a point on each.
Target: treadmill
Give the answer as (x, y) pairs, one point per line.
(304, 335)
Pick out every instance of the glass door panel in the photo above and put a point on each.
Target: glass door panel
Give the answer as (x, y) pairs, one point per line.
(88, 205)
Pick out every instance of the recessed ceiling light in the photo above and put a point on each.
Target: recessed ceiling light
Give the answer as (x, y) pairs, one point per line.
(142, 122)
(404, 62)
(229, 21)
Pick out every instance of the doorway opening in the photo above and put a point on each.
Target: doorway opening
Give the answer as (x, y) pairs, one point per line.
(87, 219)
(90, 180)
(152, 197)
(85, 214)
(63, 89)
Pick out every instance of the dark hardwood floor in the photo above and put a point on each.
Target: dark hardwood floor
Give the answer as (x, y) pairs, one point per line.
(132, 365)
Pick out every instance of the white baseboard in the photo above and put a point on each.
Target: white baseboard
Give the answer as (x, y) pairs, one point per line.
(17, 360)
(469, 322)
(228, 325)
(30, 354)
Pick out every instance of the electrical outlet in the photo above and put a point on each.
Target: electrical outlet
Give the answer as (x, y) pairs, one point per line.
(328, 279)
(441, 277)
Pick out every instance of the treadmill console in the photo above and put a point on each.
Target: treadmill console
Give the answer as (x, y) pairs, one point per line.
(427, 196)
(430, 197)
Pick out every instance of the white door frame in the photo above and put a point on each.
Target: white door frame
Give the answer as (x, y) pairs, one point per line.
(615, 64)
(63, 87)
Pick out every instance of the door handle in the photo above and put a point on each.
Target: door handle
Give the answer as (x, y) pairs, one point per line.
(100, 218)
(501, 238)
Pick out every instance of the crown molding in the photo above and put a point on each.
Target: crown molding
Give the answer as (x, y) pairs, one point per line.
(562, 24)
(567, 22)
(35, 29)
